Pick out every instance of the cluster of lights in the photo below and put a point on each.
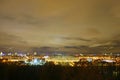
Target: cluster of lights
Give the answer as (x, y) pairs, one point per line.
(35, 61)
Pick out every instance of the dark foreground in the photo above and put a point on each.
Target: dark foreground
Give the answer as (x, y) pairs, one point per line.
(52, 72)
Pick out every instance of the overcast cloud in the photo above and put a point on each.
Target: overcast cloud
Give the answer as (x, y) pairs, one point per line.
(59, 23)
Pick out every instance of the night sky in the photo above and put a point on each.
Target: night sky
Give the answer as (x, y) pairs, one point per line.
(73, 24)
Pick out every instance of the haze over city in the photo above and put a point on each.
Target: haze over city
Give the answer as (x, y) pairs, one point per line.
(59, 39)
(68, 25)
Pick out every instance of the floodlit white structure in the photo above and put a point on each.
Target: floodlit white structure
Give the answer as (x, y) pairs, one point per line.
(109, 61)
(36, 61)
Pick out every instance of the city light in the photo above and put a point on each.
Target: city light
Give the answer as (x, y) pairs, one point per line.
(58, 59)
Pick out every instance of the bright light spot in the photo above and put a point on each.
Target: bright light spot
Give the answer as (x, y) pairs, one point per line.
(109, 61)
(46, 57)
